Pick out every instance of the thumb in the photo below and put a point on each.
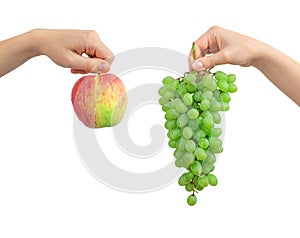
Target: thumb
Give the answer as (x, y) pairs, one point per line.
(209, 61)
(85, 65)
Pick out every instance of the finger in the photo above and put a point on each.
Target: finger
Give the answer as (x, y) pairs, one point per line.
(208, 42)
(82, 64)
(105, 53)
(97, 49)
(210, 61)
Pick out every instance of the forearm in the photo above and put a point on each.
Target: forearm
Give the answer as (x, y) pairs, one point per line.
(281, 70)
(16, 51)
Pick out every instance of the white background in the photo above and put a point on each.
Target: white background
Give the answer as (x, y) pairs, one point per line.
(45, 191)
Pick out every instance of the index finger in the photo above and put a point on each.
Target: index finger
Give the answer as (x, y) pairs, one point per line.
(208, 42)
(103, 52)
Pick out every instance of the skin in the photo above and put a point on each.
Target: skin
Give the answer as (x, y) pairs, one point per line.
(221, 46)
(63, 47)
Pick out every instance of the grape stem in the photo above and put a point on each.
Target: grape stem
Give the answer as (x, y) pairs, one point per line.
(194, 51)
(194, 190)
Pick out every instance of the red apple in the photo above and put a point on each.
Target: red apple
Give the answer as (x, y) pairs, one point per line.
(99, 100)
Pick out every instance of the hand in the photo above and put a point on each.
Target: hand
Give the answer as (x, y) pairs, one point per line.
(220, 46)
(66, 48)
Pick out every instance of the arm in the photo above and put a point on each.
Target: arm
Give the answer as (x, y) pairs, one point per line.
(63, 47)
(281, 70)
(16, 51)
(228, 47)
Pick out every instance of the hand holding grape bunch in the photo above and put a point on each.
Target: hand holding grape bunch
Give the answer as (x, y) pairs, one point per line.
(192, 104)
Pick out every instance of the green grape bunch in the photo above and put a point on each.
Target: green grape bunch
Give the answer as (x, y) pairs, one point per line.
(192, 106)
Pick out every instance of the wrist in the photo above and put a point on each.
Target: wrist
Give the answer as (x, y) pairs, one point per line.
(262, 54)
(36, 38)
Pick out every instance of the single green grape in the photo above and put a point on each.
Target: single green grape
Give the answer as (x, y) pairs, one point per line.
(171, 114)
(216, 132)
(207, 130)
(187, 132)
(214, 142)
(224, 106)
(209, 82)
(181, 107)
(199, 86)
(166, 107)
(190, 175)
(206, 167)
(194, 124)
(183, 180)
(219, 75)
(206, 114)
(191, 200)
(188, 158)
(190, 77)
(212, 179)
(216, 95)
(182, 121)
(162, 101)
(196, 135)
(178, 154)
(193, 113)
(202, 134)
(162, 90)
(215, 106)
(182, 89)
(205, 104)
(232, 88)
(179, 163)
(168, 80)
(190, 146)
(200, 153)
(208, 122)
(197, 96)
(196, 168)
(168, 95)
(187, 99)
(231, 78)
(198, 187)
(203, 143)
(223, 85)
(210, 158)
(216, 149)
(189, 187)
(171, 83)
(181, 143)
(174, 102)
(190, 87)
(170, 124)
(174, 134)
(172, 143)
(216, 117)
(203, 181)
(207, 95)
(225, 97)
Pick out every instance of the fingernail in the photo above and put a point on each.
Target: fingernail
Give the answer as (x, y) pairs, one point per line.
(102, 68)
(197, 65)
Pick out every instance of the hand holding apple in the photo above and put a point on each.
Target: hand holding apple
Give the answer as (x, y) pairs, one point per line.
(99, 100)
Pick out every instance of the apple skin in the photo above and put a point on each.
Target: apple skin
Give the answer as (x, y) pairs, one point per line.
(99, 100)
